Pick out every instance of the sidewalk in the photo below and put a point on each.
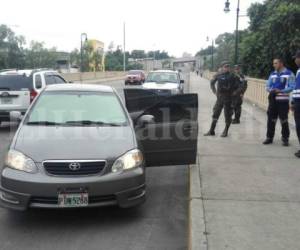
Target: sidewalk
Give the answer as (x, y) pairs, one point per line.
(244, 195)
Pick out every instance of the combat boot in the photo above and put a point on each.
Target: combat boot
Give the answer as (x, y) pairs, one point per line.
(211, 131)
(268, 141)
(236, 121)
(225, 132)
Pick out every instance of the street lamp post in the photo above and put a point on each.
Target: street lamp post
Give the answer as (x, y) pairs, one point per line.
(83, 35)
(212, 52)
(226, 10)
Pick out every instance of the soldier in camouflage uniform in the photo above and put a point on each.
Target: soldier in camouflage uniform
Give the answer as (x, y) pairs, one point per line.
(228, 86)
(238, 100)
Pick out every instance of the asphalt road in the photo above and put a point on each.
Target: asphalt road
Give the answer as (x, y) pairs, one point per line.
(160, 223)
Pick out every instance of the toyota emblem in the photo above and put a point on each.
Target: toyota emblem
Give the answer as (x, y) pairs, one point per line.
(74, 166)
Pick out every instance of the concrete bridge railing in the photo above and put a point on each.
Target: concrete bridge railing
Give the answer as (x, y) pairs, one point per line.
(256, 92)
(85, 76)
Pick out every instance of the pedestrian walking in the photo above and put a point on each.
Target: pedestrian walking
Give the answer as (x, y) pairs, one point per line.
(228, 86)
(296, 99)
(238, 100)
(279, 85)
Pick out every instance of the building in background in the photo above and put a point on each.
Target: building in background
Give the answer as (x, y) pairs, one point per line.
(96, 55)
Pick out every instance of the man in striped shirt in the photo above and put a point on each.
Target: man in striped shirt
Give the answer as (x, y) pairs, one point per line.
(279, 85)
(296, 99)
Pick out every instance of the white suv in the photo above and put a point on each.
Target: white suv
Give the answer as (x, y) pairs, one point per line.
(18, 88)
(164, 82)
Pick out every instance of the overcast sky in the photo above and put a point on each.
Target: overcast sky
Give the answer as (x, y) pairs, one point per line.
(176, 26)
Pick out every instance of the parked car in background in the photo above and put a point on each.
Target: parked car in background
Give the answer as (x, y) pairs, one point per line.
(18, 88)
(164, 82)
(62, 160)
(135, 77)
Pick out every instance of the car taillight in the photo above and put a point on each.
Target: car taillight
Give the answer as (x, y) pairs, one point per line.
(33, 94)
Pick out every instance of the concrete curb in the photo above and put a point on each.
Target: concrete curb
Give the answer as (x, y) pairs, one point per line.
(197, 229)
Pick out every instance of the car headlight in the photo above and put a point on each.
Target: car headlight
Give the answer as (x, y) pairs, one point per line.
(130, 160)
(16, 160)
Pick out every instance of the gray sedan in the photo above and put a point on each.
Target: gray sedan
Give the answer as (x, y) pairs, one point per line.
(80, 146)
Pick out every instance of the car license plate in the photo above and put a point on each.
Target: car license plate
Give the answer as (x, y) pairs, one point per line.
(73, 200)
(6, 100)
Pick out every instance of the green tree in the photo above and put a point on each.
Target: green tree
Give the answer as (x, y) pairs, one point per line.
(11, 49)
(37, 56)
(138, 54)
(274, 32)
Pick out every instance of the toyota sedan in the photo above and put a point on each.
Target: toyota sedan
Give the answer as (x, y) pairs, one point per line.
(78, 145)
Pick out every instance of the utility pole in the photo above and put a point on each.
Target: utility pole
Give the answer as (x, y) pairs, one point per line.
(124, 48)
(236, 59)
(226, 10)
(82, 35)
(212, 54)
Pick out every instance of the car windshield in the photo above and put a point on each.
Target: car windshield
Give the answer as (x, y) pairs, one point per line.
(14, 82)
(77, 108)
(162, 77)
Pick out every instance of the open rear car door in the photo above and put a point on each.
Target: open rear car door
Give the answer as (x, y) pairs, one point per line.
(171, 136)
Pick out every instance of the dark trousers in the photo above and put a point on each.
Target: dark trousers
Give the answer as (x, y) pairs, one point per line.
(237, 106)
(297, 117)
(226, 103)
(278, 109)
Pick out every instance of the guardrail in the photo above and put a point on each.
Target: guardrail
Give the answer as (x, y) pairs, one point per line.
(75, 77)
(256, 92)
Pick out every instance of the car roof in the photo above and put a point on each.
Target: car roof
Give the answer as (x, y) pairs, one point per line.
(79, 87)
(27, 72)
(163, 71)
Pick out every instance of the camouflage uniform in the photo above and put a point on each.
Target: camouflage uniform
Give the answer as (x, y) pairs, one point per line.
(227, 87)
(238, 99)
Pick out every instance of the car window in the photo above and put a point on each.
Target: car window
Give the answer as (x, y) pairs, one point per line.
(134, 72)
(162, 77)
(61, 107)
(59, 79)
(38, 81)
(15, 82)
(49, 79)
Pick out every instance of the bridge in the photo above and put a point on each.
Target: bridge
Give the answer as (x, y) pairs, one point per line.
(243, 194)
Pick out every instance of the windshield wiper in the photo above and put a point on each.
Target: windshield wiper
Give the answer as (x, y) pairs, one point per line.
(45, 123)
(90, 123)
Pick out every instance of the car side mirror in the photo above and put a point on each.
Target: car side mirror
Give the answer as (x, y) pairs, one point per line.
(145, 120)
(16, 116)
(181, 81)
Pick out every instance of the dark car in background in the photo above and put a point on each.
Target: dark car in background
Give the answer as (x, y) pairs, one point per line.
(135, 77)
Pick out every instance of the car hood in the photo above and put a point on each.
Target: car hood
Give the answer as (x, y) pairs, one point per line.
(55, 143)
(154, 85)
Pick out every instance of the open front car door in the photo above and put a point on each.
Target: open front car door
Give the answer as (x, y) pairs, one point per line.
(166, 127)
